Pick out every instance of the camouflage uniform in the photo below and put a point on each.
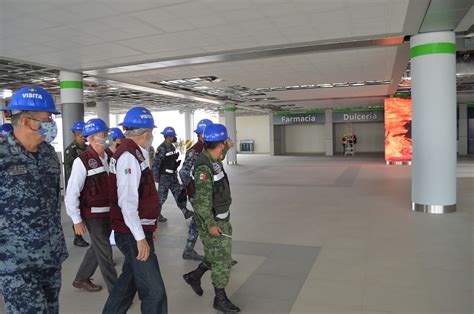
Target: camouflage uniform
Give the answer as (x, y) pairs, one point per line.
(167, 181)
(72, 152)
(185, 175)
(217, 250)
(32, 245)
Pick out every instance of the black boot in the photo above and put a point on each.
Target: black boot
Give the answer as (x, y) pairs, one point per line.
(222, 302)
(194, 278)
(191, 254)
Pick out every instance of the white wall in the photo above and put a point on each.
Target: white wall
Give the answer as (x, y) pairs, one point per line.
(255, 128)
(370, 136)
(305, 138)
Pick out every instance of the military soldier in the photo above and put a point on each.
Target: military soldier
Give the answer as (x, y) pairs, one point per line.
(212, 201)
(72, 152)
(88, 204)
(32, 244)
(134, 213)
(165, 169)
(185, 174)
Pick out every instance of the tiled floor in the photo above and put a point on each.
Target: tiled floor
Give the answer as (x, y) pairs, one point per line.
(321, 235)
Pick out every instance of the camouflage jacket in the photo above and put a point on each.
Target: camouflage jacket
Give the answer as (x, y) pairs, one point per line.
(203, 194)
(31, 235)
(70, 154)
(188, 164)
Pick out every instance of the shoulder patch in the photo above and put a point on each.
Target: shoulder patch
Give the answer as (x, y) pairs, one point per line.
(92, 163)
(140, 155)
(203, 176)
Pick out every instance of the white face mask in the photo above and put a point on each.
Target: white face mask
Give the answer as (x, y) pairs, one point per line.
(105, 142)
(150, 142)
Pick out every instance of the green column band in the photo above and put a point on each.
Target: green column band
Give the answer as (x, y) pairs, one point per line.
(433, 48)
(229, 109)
(72, 84)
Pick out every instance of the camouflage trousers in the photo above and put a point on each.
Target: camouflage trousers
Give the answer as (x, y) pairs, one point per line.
(193, 228)
(32, 291)
(218, 254)
(170, 182)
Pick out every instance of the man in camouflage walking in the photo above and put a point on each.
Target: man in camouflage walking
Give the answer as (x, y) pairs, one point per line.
(32, 245)
(212, 201)
(165, 168)
(73, 151)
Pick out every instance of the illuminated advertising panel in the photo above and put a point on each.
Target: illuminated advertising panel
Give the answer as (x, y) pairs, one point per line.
(398, 142)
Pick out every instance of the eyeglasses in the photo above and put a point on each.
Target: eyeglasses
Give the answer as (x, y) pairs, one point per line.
(50, 119)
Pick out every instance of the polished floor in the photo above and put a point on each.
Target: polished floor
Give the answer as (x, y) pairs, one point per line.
(320, 235)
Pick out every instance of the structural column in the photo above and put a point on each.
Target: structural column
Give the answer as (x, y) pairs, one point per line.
(433, 70)
(103, 111)
(230, 124)
(72, 104)
(463, 131)
(188, 125)
(328, 133)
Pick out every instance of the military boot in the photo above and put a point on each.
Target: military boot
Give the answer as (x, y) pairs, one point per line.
(222, 302)
(191, 254)
(194, 278)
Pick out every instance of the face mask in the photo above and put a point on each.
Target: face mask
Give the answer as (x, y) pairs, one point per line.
(150, 142)
(48, 131)
(105, 142)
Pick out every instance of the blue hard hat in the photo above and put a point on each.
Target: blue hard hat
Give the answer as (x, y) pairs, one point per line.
(6, 129)
(94, 126)
(78, 126)
(32, 98)
(169, 131)
(116, 133)
(215, 133)
(201, 126)
(138, 118)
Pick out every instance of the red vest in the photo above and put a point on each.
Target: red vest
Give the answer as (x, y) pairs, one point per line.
(148, 201)
(94, 198)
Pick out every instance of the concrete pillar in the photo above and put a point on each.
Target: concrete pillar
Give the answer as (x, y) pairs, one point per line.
(188, 126)
(433, 71)
(329, 133)
(230, 124)
(272, 135)
(72, 104)
(3, 104)
(103, 111)
(463, 130)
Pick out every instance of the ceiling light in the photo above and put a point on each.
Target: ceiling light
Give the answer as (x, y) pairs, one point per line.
(7, 93)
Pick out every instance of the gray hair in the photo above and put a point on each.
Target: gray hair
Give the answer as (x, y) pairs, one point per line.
(17, 116)
(135, 132)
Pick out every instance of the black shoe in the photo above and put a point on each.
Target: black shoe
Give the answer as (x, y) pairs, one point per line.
(162, 218)
(222, 302)
(191, 254)
(234, 262)
(194, 278)
(79, 241)
(188, 213)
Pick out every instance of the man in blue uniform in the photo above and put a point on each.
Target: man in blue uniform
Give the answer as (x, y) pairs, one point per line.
(32, 245)
(165, 168)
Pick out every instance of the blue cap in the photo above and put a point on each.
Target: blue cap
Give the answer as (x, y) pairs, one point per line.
(215, 133)
(6, 129)
(94, 126)
(201, 126)
(116, 133)
(32, 98)
(169, 131)
(78, 126)
(138, 118)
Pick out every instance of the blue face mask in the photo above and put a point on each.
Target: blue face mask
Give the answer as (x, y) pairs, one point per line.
(48, 131)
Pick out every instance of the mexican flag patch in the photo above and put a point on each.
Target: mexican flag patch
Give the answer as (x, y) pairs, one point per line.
(202, 176)
(128, 171)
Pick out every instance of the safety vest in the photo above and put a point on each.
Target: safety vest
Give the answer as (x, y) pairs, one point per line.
(221, 196)
(94, 200)
(148, 201)
(170, 163)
